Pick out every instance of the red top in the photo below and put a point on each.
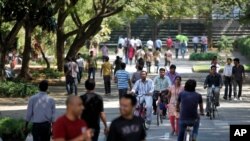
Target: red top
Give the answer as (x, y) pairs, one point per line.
(169, 42)
(131, 52)
(67, 129)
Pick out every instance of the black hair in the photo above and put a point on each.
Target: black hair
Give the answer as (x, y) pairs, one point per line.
(106, 58)
(131, 98)
(178, 77)
(229, 59)
(123, 66)
(144, 71)
(90, 84)
(91, 52)
(172, 67)
(139, 67)
(117, 57)
(162, 69)
(43, 85)
(213, 66)
(190, 85)
(237, 60)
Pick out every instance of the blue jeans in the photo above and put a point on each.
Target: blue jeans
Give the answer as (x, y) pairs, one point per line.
(91, 71)
(183, 125)
(79, 75)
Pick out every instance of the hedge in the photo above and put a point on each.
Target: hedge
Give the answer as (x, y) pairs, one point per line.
(12, 129)
(202, 56)
(16, 89)
(47, 74)
(243, 44)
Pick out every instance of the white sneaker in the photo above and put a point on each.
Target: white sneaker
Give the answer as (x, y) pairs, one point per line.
(235, 99)
(240, 99)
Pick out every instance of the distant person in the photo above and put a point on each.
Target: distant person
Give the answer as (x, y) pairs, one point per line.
(138, 43)
(169, 42)
(123, 80)
(106, 72)
(67, 75)
(69, 127)
(127, 127)
(158, 44)
(41, 112)
(183, 47)
(172, 74)
(136, 75)
(227, 74)
(157, 58)
(187, 104)
(150, 44)
(177, 48)
(195, 43)
(94, 110)
(10, 73)
(204, 43)
(133, 42)
(121, 42)
(140, 53)
(117, 64)
(105, 52)
(214, 62)
(80, 63)
(131, 54)
(120, 51)
(73, 73)
(92, 65)
(168, 56)
(238, 78)
(149, 59)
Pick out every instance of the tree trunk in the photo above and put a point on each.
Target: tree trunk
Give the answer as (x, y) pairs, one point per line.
(210, 28)
(179, 27)
(60, 50)
(2, 62)
(24, 73)
(45, 58)
(129, 30)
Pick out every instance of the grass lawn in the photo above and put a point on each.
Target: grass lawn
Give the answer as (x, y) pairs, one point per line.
(206, 68)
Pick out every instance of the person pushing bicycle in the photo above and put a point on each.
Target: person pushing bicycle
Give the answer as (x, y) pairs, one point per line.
(214, 83)
(144, 89)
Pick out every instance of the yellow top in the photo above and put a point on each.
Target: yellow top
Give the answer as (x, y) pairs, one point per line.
(106, 68)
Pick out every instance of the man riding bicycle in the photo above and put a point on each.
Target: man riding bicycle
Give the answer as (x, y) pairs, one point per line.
(144, 89)
(214, 83)
(161, 85)
(187, 105)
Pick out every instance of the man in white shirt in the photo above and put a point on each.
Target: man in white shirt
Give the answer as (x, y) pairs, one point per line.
(80, 63)
(73, 72)
(138, 43)
(204, 43)
(227, 74)
(133, 42)
(121, 42)
(150, 44)
(196, 43)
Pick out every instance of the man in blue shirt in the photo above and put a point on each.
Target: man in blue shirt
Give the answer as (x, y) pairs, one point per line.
(187, 105)
(158, 44)
(123, 80)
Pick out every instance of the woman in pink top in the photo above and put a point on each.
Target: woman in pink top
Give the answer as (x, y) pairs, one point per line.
(131, 53)
(174, 92)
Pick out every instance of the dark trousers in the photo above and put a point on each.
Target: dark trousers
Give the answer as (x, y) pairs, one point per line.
(41, 131)
(183, 126)
(122, 92)
(96, 135)
(195, 47)
(79, 75)
(91, 71)
(239, 84)
(107, 84)
(71, 84)
(148, 64)
(176, 53)
(228, 87)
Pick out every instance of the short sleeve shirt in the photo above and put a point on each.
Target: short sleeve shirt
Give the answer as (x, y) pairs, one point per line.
(122, 79)
(127, 130)
(238, 72)
(189, 102)
(66, 129)
(93, 104)
(106, 68)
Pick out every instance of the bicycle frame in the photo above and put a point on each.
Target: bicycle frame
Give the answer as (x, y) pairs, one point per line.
(211, 100)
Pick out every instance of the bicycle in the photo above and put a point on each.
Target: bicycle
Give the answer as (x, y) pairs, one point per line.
(140, 111)
(163, 101)
(212, 103)
(189, 130)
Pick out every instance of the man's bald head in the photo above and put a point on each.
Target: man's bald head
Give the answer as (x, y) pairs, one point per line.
(74, 105)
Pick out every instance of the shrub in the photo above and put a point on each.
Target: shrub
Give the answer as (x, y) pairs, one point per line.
(243, 44)
(47, 74)
(202, 56)
(16, 89)
(12, 129)
(226, 44)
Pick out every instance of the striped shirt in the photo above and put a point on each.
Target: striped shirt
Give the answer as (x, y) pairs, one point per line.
(41, 108)
(122, 77)
(143, 88)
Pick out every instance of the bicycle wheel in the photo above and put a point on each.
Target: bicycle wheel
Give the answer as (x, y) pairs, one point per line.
(158, 118)
(213, 110)
(187, 136)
